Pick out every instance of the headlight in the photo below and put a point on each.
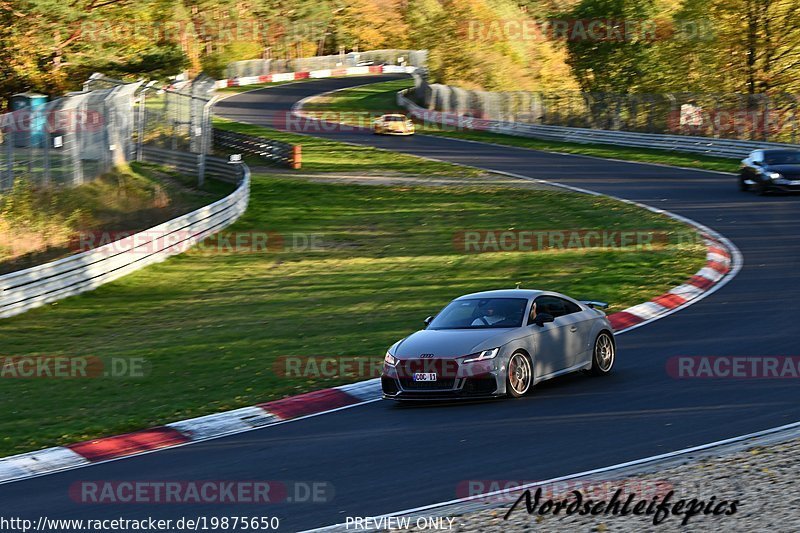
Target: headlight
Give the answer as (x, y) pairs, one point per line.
(482, 356)
(774, 175)
(389, 359)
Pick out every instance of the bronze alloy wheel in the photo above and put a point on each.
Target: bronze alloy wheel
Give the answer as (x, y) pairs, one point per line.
(519, 376)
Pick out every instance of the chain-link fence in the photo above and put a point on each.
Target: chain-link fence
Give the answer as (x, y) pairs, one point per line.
(263, 67)
(176, 118)
(68, 140)
(85, 134)
(774, 117)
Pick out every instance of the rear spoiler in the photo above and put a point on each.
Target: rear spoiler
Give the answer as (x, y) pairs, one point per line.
(595, 305)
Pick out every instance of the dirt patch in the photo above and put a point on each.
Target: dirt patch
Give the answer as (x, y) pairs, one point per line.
(394, 179)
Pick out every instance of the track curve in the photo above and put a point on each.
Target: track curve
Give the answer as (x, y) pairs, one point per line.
(381, 458)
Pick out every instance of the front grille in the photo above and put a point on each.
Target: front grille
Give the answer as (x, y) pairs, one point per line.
(446, 371)
(388, 385)
(410, 384)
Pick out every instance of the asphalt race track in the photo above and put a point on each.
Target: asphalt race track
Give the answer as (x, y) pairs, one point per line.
(382, 458)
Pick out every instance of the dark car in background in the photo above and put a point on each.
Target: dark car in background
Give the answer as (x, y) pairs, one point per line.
(775, 170)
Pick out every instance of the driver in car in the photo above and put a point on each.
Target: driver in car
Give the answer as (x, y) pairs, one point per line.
(489, 318)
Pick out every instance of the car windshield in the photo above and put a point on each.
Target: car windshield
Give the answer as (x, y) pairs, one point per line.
(782, 158)
(393, 119)
(480, 313)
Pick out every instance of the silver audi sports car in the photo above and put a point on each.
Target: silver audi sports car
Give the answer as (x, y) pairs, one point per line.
(499, 343)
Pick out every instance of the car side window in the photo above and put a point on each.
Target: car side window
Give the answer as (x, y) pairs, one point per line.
(571, 307)
(553, 305)
(757, 157)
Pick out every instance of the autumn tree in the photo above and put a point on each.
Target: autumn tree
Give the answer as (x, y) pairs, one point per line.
(479, 44)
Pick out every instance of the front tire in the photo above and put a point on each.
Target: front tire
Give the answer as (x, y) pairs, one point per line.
(519, 375)
(742, 185)
(605, 354)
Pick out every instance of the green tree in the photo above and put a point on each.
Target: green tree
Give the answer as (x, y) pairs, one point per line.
(618, 61)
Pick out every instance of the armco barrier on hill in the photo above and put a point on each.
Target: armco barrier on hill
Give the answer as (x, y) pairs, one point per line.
(39, 285)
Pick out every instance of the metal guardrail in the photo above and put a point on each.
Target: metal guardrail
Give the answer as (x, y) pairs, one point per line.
(33, 287)
(729, 148)
(189, 163)
(271, 151)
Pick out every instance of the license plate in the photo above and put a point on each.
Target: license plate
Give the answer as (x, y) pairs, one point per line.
(425, 376)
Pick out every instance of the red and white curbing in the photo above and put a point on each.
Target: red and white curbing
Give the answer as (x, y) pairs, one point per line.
(50, 460)
(718, 265)
(325, 73)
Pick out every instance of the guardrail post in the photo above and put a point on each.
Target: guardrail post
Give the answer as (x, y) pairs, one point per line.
(206, 140)
(297, 156)
(140, 129)
(8, 140)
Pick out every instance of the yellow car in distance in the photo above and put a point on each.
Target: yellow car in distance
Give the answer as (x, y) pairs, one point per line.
(393, 124)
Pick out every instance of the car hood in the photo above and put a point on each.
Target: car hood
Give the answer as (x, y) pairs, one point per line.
(449, 343)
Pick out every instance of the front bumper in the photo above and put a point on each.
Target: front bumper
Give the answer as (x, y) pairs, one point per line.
(454, 380)
(780, 187)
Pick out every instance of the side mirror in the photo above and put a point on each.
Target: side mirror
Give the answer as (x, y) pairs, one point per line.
(543, 318)
(428, 320)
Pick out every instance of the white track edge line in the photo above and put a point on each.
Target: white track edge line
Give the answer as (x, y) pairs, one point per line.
(619, 466)
(187, 443)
